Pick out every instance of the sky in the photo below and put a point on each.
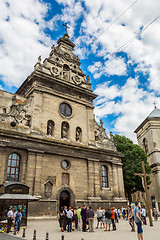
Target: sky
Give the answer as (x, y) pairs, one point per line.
(118, 43)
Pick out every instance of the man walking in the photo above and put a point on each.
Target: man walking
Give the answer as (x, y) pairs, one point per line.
(138, 221)
(10, 218)
(79, 218)
(91, 219)
(131, 218)
(84, 217)
(69, 219)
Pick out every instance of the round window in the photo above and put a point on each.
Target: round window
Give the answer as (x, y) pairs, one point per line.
(65, 109)
(65, 164)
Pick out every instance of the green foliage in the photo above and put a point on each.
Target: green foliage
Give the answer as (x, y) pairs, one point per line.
(133, 156)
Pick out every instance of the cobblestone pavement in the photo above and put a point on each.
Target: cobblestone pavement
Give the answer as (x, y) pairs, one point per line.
(5, 236)
(52, 227)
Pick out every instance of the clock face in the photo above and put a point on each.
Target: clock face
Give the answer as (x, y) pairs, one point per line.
(65, 109)
(64, 164)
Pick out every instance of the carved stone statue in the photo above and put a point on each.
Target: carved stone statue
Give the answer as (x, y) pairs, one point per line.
(39, 59)
(50, 126)
(88, 79)
(64, 130)
(65, 75)
(78, 134)
(145, 143)
(111, 136)
(48, 189)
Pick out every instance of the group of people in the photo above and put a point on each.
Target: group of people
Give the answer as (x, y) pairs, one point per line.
(14, 217)
(83, 219)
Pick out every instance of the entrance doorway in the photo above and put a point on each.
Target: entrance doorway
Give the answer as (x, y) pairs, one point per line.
(64, 199)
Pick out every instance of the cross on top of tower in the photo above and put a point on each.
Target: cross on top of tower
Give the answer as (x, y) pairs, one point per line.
(155, 104)
(66, 26)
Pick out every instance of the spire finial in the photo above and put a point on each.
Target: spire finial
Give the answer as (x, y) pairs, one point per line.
(66, 26)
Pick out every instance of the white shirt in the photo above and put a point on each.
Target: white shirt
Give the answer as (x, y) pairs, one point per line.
(69, 214)
(10, 214)
(143, 212)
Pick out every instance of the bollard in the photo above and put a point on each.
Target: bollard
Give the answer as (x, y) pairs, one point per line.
(24, 233)
(47, 236)
(34, 235)
(62, 237)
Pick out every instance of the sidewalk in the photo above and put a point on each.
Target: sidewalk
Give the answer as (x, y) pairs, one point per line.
(123, 232)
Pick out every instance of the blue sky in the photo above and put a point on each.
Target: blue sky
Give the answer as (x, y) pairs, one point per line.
(124, 70)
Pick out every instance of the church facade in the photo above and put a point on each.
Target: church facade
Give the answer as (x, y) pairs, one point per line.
(50, 141)
(148, 135)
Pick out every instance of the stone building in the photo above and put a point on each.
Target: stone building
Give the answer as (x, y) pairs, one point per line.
(50, 141)
(148, 135)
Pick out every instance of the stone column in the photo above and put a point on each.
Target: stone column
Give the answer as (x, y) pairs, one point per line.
(3, 169)
(121, 181)
(115, 181)
(90, 178)
(38, 173)
(30, 180)
(97, 178)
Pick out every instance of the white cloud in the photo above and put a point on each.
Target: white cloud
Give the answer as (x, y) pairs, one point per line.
(133, 106)
(22, 38)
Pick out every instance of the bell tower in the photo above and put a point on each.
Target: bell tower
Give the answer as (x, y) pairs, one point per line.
(148, 135)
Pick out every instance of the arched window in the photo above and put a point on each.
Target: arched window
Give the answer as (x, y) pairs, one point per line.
(104, 177)
(50, 126)
(78, 134)
(64, 130)
(13, 167)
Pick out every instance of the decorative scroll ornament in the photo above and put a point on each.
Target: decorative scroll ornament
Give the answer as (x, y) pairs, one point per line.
(67, 56)
(48, 189)
(77, 79)
(55, 71)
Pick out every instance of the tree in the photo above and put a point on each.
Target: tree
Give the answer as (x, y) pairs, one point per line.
(133, 155)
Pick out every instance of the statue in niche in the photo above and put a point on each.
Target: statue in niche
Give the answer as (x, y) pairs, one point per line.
(78, 134)
(65, 75)
(48, 189)
(64, 130)
(50, 126)
(145, 143)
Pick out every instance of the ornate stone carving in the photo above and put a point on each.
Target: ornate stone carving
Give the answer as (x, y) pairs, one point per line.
(50, 126)
(48, 189)
(100, 133)
(18, 112)
(77, 79)
(55, 71)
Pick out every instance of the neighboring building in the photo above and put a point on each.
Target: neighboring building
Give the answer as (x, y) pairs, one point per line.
(50, 141)
(148, 135)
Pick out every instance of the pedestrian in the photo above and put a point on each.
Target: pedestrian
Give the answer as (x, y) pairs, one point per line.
(103, 214)
(18, 220)
(9, 220)
(155, 214)
(65, 218)
(69, 219)
(79, 218)
(91, 219)
(144, 215)
(138, 221)
(127, 214)
(87, 222)
(122, 209)
(84, 217)
(76, 218)
(116, 215)
(119, 216)
(61, 219)
(131, 218)
(113, 219)
(108, 219)
(99, 217)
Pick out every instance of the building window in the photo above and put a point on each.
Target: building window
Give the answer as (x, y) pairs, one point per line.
(104, 177)
(65, 179)
(13, 167)
(4, 110)
(145, 144)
